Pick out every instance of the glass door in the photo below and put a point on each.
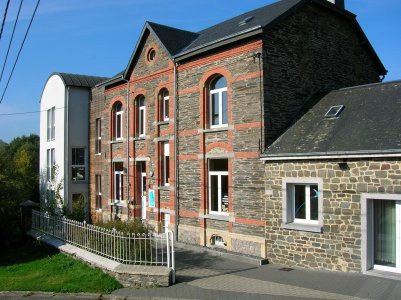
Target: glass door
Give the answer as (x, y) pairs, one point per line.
(386, 235)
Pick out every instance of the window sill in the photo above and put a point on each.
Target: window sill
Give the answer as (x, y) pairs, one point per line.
(164, 188)
(116, 141)
(119, 204)
(217, 217)
(98, 154)
(140, 138)
(217, 129)
(303, 227)
(78, 181)
(165, 122)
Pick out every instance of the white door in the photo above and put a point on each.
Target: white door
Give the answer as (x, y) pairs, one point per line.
(143, 195)
(387, 235)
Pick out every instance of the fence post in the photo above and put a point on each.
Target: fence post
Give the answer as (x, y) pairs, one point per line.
(172, 255)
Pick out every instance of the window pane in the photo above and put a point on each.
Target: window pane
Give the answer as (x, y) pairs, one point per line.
(385, 233)
(218, 83)
(218, 165)
(117, 185)
(166, 115)
(78, 173)
(215, 109)
(142, 122)
(118, 126)
(80, 156)
(225, 108)
(299, 204)
(167, 170)
(314, 214)
(214, 193)
(224, 193)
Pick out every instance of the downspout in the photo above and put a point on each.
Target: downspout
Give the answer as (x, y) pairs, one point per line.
(175, 152)
(128, 164)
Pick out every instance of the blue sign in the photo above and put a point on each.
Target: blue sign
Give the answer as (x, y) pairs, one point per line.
(152, 198)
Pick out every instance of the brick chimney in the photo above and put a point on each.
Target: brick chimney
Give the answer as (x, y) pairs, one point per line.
(338, 3)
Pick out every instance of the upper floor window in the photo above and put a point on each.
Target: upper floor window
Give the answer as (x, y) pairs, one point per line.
(218, 186)
(78, 164)
(164, 105)
(218, 102)
(51, 124)
(141, 131)
(118, 121)
(98, 141)
(51, 164)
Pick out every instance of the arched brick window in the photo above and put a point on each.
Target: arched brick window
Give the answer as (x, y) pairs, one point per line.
(218, 104)
(164, 100)
(118, 121)
(141, 116)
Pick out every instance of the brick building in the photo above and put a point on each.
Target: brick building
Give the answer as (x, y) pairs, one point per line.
(187, 120)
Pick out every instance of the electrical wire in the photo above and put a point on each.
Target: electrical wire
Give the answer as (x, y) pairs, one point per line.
(4, 19)
(11, 40)
(19, 52)
(27, 112)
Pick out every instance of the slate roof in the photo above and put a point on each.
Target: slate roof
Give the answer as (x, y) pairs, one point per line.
(369, 124)
(80, 80)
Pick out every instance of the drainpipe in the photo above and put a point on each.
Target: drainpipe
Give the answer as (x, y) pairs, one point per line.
(66, 182)
(175, 152)
(128, 165)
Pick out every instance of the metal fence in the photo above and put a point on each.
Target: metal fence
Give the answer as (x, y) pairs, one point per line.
(142, 249)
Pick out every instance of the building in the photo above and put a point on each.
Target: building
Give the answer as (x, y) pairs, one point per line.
(177, 136)
(333, 186)
(64, 107)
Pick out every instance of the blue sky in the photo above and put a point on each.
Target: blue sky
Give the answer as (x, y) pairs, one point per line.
(97, 37)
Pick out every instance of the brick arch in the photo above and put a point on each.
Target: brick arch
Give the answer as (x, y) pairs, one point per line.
(212, 73)
(210, 147)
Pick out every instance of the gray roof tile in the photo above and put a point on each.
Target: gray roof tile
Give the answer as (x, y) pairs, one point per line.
(80, 80)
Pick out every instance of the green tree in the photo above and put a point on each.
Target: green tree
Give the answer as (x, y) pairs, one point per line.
(19, 181)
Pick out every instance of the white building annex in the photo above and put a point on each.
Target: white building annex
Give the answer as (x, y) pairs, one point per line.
(64, 125)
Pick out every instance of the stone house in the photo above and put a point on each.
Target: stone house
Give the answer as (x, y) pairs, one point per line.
(333, 186)
(176, 137)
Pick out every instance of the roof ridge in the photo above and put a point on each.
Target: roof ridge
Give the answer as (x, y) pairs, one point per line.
(367, 85)
(170, 27)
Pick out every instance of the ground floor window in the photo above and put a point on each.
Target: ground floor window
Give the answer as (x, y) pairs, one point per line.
(218, 186)
(118, 182)
(98, 192)
(78, 167)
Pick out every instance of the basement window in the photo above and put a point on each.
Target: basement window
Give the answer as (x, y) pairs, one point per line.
(334, 111)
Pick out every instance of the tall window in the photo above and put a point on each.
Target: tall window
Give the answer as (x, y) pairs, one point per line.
(98, 141)
(218, 102)
(78, 164)
(218, 186)
(50, 170)
(141, 116)
(118, 121)
(98, 192)
(118, 182)
(51, 124)
(164, 105)
(166, 164)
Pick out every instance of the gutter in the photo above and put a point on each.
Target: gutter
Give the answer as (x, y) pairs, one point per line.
(335, 155)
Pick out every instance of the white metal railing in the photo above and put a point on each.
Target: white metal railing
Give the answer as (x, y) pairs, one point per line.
(143, 249)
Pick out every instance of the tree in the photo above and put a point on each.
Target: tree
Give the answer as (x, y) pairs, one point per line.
(19, 181)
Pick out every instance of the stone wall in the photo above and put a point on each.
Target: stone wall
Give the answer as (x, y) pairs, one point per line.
(338, 246)
(308, 54)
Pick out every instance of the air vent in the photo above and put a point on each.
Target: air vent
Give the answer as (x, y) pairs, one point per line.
(334, 111)
(246, 20)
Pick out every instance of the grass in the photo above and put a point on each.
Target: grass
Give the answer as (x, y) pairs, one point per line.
(30, 266)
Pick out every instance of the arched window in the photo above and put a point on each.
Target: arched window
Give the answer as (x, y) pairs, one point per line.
(164, 105)
(141, 116)
(118, 121)
(218, 102)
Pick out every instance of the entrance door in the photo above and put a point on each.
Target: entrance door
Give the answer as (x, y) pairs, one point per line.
(143, 194)
(387, 235)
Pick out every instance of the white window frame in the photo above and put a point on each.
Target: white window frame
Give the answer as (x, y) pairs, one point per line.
(51, 123)
(78, 165)
(166, 158)
(119, 123)
(219, 92)
(98, 142)
(165, 100)
(51, 162)
(120, 175)
(142, 117)
(219, 175)
(288, 204)
(98, 179)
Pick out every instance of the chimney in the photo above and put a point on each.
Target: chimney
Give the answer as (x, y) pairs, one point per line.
(338, 3)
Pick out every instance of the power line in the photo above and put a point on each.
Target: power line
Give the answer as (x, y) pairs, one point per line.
(27, 112)
(19, 52)
(4, 19)
(11, 40)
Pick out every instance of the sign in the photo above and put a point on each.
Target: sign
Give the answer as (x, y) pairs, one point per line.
(152, 198)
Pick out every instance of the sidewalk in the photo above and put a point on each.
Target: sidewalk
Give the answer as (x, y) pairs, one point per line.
(206, 275)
